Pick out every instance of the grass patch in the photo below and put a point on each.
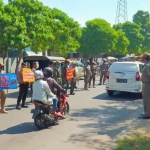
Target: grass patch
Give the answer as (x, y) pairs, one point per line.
(134, 142)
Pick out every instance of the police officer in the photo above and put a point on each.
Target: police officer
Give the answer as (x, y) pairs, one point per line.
(65, 83)
(93, 71)
(103, 70)
(145, 79)
(87, 74)
(56, 71)
(73, 80)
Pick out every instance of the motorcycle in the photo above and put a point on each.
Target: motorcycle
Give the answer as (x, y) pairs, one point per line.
(43, 116)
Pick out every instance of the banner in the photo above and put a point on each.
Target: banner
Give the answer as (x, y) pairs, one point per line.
(8, 81)
(28, 75)
(70, 73)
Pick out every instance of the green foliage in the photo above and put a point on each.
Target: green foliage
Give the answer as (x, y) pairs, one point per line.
(98, 37)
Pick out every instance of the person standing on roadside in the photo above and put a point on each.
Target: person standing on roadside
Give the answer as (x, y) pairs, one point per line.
(56, 71)
(87, 74)
(23, 89)
(93, 71)
(2, 92)
(103, 70)
(73, 80)
(145, 79)
(51, 64)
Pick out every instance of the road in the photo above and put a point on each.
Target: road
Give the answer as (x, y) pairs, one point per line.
(95, 119)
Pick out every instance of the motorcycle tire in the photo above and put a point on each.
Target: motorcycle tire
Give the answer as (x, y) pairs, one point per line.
(66, 110)
(42, 124)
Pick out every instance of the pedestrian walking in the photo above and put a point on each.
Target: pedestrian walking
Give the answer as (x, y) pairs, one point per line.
(87, 74)
(2, 92)
(93, 71)
(145, 79)
(23, 89)
(103, 70)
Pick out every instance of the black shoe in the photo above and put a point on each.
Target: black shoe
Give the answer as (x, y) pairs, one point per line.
(72, 93)
(75, 87)
(67, 95)
(31, 101)
(24, 106)
(142, 114)
(99, 84)
(144, 117)
(18, 107)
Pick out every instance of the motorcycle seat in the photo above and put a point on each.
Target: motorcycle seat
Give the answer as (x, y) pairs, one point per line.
(39, 102)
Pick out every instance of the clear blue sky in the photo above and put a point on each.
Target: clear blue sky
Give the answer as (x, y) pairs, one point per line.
(83, 10)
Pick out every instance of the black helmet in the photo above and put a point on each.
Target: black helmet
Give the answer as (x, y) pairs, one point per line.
(48, 72)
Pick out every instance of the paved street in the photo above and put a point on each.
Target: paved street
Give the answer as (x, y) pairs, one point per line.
(95, 119)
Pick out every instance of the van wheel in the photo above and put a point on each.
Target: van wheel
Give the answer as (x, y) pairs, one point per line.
(110, 93)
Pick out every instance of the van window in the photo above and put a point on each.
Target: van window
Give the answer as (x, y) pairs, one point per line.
(123, 67)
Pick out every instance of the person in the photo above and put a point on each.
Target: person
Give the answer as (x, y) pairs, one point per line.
(34, 67)
(56, 71)
(64, 70)
(103, 70)
(23, 89)
(2, 92)
(145, 79)
(87, 74)
(48, 72)
(42, 92)
(93, 71)
(51, 64)
(73, 80)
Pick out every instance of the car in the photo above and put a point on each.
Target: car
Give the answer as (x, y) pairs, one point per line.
(124, 77)
(80, 68)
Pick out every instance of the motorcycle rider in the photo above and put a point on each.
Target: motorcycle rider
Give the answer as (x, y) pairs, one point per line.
(48, 73)
(42, 92)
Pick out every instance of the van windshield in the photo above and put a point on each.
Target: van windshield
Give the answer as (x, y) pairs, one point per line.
(123, 67)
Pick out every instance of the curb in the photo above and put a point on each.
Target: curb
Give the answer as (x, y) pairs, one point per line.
(123, 133)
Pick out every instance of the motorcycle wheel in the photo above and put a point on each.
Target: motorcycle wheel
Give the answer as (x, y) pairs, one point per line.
(39, 122)
(66, 110)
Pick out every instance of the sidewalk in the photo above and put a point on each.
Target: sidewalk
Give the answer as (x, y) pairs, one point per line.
(138, 126)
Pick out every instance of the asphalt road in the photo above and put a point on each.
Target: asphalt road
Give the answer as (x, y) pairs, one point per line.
(95, 119)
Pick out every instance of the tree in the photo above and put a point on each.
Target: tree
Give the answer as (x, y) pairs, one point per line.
(142, 18)
(132, 31)
(97, 37)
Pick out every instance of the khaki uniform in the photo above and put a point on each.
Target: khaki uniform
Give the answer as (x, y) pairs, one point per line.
(73, 83)
(87, 74)
(145, 78)
(92, 77)
(56, 74)
(103, 71)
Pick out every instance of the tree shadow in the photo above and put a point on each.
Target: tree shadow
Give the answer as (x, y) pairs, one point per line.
(106, 121)
(20, 129)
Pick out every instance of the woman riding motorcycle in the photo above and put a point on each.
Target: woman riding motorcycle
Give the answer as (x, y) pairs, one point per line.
(42, 92)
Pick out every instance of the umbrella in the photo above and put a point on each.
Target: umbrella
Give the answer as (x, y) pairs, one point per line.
(110, 58)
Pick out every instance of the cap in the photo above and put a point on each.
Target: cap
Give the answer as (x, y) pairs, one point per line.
(1, 64)
(104, 60)
(57, 61)
(23, 63)
(35, 62)
(67, 61)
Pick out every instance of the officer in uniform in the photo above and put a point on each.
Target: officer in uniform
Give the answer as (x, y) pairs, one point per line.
(145, 79)
(56, 71)
(103, 70)
(93, 71)
(87, 74)
(65, 83)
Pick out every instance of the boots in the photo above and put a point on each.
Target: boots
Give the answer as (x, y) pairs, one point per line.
(3, 105)
(18, 106)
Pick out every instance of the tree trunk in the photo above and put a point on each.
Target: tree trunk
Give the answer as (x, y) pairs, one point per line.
(18, 59)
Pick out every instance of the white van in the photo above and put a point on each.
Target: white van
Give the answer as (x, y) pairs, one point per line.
(124, 77)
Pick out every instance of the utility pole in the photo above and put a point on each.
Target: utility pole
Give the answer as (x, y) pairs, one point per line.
(121, 13)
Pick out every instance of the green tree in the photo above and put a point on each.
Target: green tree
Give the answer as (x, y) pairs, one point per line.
(97, 37)
(142, 18)
(132, 31)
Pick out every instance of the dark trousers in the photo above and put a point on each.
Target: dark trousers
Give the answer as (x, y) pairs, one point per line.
(23, 91)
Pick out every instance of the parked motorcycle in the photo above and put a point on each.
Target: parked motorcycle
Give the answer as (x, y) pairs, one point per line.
(43, 116)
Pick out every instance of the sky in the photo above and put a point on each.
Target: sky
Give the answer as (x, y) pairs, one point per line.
(84, 10)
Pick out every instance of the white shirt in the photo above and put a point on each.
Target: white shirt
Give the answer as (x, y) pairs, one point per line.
(41, 91)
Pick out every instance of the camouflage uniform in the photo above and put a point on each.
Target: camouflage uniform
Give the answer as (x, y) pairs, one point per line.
(103, 70)
(56, 72)
(87, 74)
(93, 71)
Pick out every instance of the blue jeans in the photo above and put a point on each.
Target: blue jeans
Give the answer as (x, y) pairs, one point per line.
(55, 102)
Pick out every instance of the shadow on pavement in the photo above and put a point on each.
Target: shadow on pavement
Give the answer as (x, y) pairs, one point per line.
(124, 96)
(20, 129)
(103, 123)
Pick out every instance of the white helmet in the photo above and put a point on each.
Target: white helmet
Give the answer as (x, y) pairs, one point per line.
(38, 74)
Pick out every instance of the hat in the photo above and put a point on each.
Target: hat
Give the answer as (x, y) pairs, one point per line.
(1, 64)
(57, 61)
(23, 63)
(67, 61)
(35, 62)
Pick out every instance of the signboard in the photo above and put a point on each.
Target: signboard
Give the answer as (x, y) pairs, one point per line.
(70, 73)
(28, 75)
(8, 81)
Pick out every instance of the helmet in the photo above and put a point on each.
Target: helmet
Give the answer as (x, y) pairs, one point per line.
(48, 72)
(104, 60)
(38, 74)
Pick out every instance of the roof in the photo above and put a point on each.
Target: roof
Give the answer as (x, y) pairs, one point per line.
(36, 58)
(129, 62)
